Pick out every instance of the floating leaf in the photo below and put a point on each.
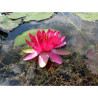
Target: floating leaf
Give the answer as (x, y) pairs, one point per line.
(17, 15)
(8, 24)
(0, 13)
(90, 16)
(20, 40)
(92, 56)
(38, 16)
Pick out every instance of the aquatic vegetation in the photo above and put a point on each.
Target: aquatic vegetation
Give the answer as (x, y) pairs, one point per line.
(20, 40)
(38, 16)
(9, 21)
(82, 33)
(44, 45)
(8, 24)
(92, 56)
(89, 16)
(73, 70)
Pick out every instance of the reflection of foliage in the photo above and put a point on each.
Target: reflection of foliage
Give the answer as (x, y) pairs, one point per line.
(92, 62)
(82, 33)
(90, 16)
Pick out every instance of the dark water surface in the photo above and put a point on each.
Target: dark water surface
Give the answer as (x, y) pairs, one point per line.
(73, 71)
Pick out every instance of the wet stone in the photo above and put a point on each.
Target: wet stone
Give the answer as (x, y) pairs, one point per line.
(11, 57)
(14, 83)
(1, 65)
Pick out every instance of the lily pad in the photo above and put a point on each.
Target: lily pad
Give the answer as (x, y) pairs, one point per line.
(20, 40)
(38, 16)
(90, 16)
(8, 24)
(0, 14)
(92, 56)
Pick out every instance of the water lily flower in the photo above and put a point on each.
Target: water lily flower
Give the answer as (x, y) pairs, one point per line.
(45, 45)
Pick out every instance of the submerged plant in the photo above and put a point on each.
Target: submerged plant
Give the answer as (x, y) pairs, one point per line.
(44, 46)
(92, 62)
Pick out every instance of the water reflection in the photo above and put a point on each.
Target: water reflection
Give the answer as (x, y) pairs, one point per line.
(73, 71)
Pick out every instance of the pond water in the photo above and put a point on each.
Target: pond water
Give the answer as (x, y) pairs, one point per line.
(73, 71)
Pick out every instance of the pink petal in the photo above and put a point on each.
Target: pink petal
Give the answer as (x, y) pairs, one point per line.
(48, 31)
(31, 56)
(52, 40)
(60, 45)
(43, 33)
(33, 38)
(30, 44)
(49, 47)
(60, 40)
(60, 52)
(58, 34)
(43, 59)
(33, 46)
(35, 41)
(55, 57)
(38, 34)
(43, 44)
(55, 33)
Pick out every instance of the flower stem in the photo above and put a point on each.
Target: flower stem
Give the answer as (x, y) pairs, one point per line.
(82, 33)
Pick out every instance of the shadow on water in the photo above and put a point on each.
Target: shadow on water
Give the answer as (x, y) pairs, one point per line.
(3, 35)
(73, 71)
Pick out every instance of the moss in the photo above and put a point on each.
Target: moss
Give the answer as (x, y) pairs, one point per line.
(73, 71)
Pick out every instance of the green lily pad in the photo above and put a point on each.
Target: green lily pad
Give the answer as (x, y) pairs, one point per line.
(8, 24)
(38, 16)
(20, 40)
(0, 14)
(90, 16)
